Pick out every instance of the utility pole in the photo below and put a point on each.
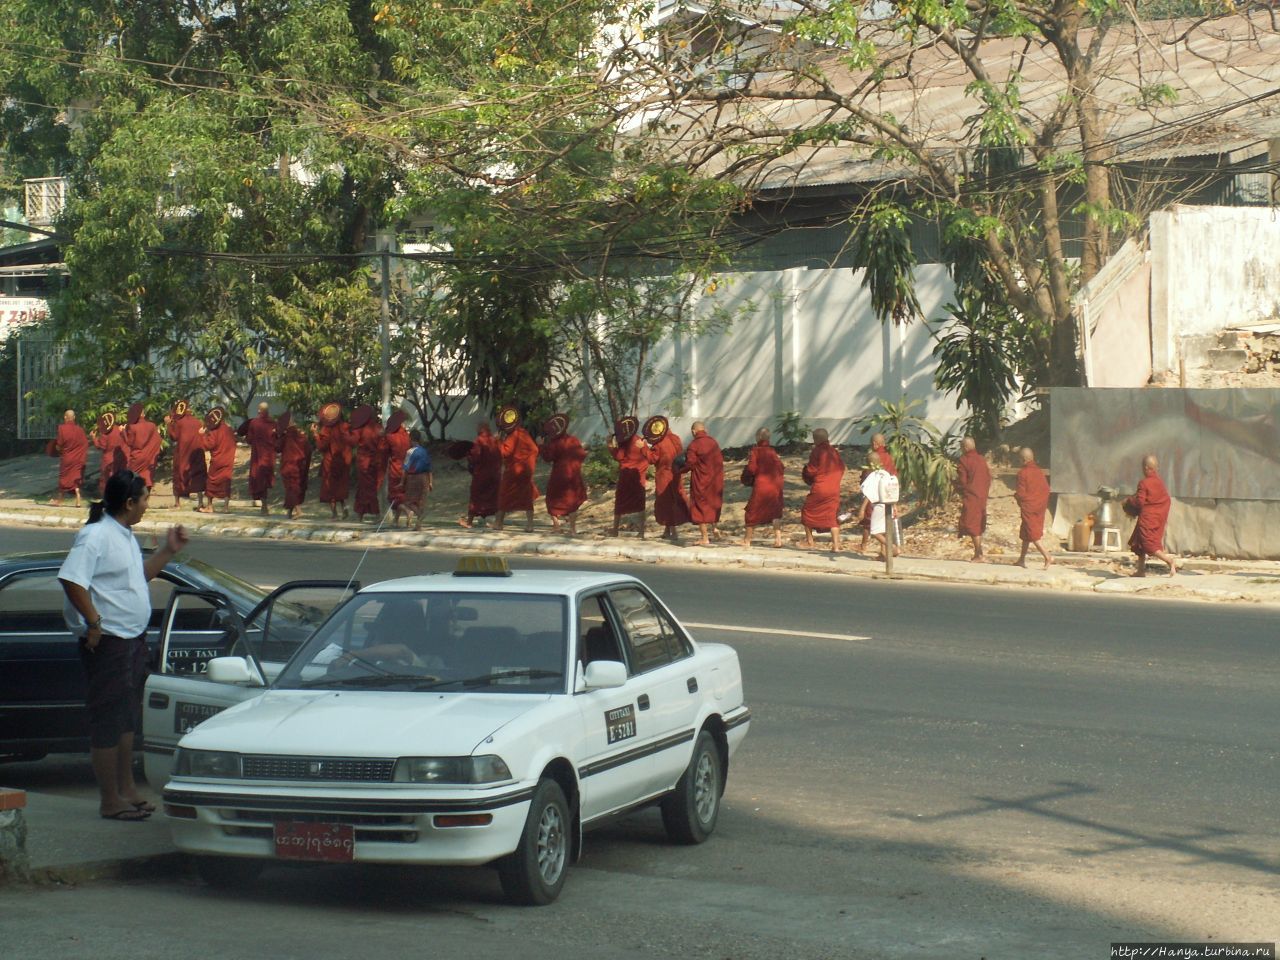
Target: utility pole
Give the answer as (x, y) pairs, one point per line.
(386, 240)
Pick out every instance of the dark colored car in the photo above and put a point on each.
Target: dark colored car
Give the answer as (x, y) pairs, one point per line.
(42, 685)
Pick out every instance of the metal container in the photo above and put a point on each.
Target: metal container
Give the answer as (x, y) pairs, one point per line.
(1108, 514)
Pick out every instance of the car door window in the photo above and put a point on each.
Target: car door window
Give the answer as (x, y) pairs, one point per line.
(597, 639)
(200, 631)
(32, 603)
(160, 588)
(651, 636)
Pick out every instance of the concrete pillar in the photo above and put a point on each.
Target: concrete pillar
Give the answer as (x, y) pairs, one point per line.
(1163, 356)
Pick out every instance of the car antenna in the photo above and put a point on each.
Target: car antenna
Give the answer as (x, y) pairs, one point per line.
(378, 529)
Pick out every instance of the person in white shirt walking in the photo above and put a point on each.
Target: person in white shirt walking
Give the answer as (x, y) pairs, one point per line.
(874, 489)
(108, 607)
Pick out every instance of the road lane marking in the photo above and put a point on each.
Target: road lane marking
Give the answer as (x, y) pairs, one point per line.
(729, 628)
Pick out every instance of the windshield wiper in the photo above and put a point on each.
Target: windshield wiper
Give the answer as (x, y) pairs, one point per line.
(370, 680)
(487, 678)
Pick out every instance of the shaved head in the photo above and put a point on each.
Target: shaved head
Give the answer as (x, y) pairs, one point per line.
(698, 427)
(877, 441)
(1150, 464)
(69, 416)
(819, 435)
(968, 444)
(1028, 455)
(263, 407)
(762, 435)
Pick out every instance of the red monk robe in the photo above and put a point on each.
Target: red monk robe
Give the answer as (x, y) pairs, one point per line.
(221, 444)
(765, 505)
(370, 443)
(484, 460)
(887, 462)
(566, 491)
(261, 434)
(823, 473)
(704, 463)
(973, 480)
(334, 444)
(670, 508)
(633, 476)
(295, 465)
(142, 441)
(519, 460)
(189, 472)
(1151, 505)
(73, 452)
(1032, 494)
(115, 456)
(397, 446)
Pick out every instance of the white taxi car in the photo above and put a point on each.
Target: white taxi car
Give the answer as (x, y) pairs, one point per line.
(477, 717)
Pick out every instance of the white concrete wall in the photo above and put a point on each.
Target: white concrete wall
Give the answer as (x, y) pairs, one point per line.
(1212, 268)
(807, 341)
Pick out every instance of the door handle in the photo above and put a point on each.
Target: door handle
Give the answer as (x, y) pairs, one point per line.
(157, 701)
(692, 684)
(642, 701)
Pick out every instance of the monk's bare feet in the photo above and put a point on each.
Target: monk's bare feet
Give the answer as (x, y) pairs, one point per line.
(1173, 569)
(777, 543)
(747, 544)
(204, 509)
(978, 558)
(703, 543)
(464, 522)
(265, 511)
(529, 528)
(1021, 562)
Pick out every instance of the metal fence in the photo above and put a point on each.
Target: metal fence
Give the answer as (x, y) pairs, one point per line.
(39, 361)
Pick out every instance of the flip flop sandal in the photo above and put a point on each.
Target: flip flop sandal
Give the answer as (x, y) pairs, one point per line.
(146, 806)
(126, 816)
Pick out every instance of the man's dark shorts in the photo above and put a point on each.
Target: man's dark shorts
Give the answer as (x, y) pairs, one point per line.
(116, 673)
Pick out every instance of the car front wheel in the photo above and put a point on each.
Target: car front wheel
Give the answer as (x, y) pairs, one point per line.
(228, 873)
(690, 812)
(535, 873)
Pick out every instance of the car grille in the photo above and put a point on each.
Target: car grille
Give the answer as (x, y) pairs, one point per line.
(319, 768)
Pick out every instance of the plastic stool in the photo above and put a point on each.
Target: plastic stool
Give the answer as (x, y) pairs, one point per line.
(1111, 539)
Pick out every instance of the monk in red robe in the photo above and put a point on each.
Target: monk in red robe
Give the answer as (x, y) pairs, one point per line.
(261, 434)
(142, 443)
(333, 440)
(887, 464)
(763, 474)
(484, 460)
(219, 440)
(398, 443)
(370, 443)
(295, 463)
(189, 472)
(1032, 495)
(73, 452)
(632, 489)
(973, 480)
(670, 508)
(109, 438)
(566, 491)
(823, 473)
(704, 463)
(1150, 505)
(517, 490)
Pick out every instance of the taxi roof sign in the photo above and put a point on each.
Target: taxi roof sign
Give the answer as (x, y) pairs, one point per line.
(482, 566)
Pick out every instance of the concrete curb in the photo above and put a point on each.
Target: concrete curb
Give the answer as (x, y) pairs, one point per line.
(143, 867)
(1067, 573)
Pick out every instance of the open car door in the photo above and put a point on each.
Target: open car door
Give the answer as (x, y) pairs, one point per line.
(201, 625)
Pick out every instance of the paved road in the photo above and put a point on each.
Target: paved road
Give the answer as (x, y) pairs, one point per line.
(966, 772)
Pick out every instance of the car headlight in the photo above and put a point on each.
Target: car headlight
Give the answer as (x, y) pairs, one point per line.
(486, 769)
(206, 763)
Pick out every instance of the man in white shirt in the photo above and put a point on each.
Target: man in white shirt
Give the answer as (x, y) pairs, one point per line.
(108, 607)
(874, 489)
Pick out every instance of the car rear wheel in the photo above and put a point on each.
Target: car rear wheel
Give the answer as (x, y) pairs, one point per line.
(690, 811)
(535, 873)
(228, 872)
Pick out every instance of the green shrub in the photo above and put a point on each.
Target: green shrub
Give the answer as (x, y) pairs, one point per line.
(599, 469)
(920, 450)
(790, 430)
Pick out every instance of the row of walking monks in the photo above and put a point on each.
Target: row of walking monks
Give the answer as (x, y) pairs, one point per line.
(502, 471)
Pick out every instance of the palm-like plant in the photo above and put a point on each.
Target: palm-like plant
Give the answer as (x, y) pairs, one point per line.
(977, 361)
(921, 450)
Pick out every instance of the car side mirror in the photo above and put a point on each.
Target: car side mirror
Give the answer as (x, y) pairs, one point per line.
(605, 674)
(233, 670)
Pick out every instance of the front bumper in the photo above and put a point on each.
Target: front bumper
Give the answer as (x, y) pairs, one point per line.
(390, 826)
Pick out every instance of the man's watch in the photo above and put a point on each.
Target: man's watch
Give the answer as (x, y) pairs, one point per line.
(94, 624)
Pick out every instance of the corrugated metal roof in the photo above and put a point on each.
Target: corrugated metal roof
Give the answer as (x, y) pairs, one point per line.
(1223, 74)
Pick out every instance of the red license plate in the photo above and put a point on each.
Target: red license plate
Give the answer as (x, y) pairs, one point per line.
(330, 842)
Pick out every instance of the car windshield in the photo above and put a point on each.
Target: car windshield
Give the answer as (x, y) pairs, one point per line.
(245, 595)
(493, 643)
